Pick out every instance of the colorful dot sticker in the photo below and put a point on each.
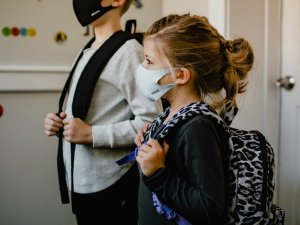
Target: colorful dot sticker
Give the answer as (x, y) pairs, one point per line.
(60, 37)
(23, 32)
(31, 32)
(1, 110)
(16, 31)
(6, 31)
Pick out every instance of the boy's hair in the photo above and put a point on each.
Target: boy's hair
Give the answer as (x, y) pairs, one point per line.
(126, 6)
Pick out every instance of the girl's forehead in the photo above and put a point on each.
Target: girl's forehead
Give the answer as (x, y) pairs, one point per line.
(152, 48)
(149, 44)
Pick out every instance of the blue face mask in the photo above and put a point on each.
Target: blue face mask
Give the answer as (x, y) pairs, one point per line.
(147, 81)
(87, 11)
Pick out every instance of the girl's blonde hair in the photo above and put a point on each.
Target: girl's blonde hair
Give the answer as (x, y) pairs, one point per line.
(220, 66)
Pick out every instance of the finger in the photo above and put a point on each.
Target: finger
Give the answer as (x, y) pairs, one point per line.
(145, 128)
(53, 117)
(142, 153)
(50, 133)
(166, 147)
(153, 143)
(137, 140)
(145, 148)
(66, 133)
(51, 128)
(139, 159)
(52, 125)
(67, 121)
(63, 115)
(141, 135)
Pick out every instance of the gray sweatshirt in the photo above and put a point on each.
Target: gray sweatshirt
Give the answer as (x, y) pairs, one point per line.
(117, 111)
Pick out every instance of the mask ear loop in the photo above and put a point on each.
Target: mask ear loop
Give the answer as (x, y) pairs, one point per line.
(165, 101)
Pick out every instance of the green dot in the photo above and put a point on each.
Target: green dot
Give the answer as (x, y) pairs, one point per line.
(6, 31)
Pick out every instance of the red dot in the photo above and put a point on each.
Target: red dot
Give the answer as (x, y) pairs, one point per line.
(15, 31)
(1, 110)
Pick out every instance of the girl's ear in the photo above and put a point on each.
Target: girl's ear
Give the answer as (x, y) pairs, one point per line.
(117, 3)
(183, 75)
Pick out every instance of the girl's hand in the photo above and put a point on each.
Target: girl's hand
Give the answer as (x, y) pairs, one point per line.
(139, 137)
(151, 156)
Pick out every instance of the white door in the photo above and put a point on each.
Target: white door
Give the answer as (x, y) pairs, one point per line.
(289, 172)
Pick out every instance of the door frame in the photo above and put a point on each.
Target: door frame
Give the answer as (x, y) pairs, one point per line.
(262, 98)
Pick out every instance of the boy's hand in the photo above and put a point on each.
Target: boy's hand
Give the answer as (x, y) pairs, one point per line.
(52, 123)
(77, 131)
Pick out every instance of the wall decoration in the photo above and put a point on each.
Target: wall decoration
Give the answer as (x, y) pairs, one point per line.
(138, 4)
(23, 31)
(16, 31)
(60, 37)
(39, 33)
(30, 32)
(6, 31)
(1, 110)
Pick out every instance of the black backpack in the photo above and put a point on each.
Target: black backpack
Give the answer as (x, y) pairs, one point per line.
(130, 27)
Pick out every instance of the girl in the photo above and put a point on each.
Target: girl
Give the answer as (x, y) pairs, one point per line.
(182, 155)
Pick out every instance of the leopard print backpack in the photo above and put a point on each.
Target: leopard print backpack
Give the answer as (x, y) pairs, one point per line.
(251, 185)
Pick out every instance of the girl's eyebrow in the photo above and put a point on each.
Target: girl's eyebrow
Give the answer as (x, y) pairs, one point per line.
(147, 56)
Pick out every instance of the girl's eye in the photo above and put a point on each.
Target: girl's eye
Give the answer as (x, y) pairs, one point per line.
(148, 61)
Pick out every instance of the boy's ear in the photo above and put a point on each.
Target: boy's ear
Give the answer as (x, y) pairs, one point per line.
(183, 75)
(117, 3)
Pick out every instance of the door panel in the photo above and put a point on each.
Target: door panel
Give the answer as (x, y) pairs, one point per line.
(289, 195)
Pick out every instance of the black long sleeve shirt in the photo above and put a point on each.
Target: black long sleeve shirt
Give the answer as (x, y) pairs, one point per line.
(193, 181)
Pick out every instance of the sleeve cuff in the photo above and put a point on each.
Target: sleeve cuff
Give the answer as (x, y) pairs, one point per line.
(157, 179)
(99, 136)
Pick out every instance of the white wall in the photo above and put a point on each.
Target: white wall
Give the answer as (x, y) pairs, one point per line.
(199, 7)
(214, 10)
(40, 64)
(151, 11)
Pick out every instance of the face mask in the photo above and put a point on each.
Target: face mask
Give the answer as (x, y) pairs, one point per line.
(87, 11)
(147, 81)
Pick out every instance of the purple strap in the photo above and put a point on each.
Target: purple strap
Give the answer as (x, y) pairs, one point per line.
(169, 213)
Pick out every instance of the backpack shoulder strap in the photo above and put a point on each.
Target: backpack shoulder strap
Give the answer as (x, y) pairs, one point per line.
(92, 71)
(68, 82)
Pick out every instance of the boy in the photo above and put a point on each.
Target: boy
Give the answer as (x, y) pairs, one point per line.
(99, 187)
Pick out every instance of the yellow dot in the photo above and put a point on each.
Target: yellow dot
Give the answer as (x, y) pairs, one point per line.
(31, 32)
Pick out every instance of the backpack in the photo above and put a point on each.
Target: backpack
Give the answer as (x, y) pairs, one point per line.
(250, 187)
(251, 166)
(130, 27)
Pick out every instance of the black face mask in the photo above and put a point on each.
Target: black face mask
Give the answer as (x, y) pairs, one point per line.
(87, 11)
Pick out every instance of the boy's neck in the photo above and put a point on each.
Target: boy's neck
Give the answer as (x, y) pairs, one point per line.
(104, 30)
